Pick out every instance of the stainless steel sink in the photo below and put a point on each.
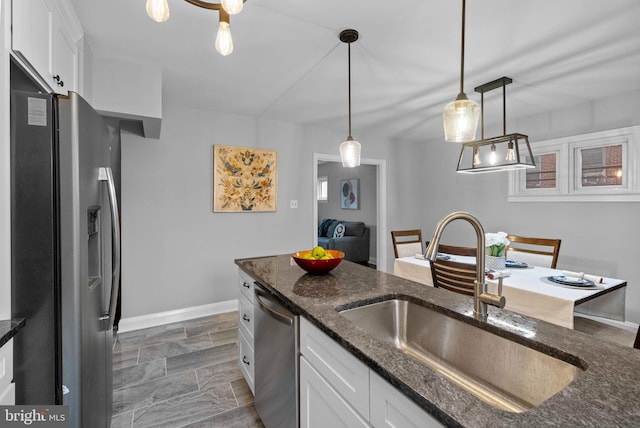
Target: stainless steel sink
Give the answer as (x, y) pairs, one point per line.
(499, 371)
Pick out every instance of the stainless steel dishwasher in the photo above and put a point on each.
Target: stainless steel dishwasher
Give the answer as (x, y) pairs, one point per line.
(276, 362)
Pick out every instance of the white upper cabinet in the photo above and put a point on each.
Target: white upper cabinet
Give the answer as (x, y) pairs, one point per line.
(44, 36)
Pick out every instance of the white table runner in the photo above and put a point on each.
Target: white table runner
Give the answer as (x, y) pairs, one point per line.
(528, 292)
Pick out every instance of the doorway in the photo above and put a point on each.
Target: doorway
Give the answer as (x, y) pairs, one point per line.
(379, 256)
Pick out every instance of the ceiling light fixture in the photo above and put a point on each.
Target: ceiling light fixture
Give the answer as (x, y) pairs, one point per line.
(507, 152)
(460, 117)
(158, 10)
(350, 149)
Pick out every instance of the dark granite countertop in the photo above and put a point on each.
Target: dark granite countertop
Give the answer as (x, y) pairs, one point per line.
(9, 328)
(604, 395)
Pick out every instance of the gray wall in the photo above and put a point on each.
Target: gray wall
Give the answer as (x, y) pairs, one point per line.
(596, 236)
(177, 253)
(368, 197)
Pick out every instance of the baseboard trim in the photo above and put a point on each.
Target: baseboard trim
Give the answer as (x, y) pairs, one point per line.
(177, 315)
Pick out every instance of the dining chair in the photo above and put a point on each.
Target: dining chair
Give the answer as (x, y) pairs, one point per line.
(453, 276)
(454, 249)
(534, 251)
(407, 243)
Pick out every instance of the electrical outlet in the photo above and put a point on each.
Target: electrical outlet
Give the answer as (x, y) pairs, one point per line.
(293, 203)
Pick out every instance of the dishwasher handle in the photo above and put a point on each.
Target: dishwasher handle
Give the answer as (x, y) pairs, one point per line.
(283, 318)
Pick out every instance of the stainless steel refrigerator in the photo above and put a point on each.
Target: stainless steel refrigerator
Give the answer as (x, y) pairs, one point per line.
(65, 251)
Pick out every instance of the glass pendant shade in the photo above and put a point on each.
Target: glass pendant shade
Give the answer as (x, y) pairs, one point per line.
(461, 120)
(350, 153)
(232, 7)
(158, 10)
(224, 44)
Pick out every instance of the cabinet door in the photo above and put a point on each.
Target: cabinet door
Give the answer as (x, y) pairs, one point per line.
(7, 387)
(246, 359)
(31, 34)
(63, 61)
(347, 375)
(322, 406)
(390, 408)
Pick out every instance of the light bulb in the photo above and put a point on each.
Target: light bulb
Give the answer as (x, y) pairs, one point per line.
(232, 7)
(158, 10)
(493, 157)
(224, 44)
(460, 120)
(511, 153)
(350, 153)
(476, 156)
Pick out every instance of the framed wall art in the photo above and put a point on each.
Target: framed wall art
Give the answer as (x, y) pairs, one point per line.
(244, 179)
(350, 194)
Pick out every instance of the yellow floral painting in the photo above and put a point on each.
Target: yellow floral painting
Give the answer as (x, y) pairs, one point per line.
(244, 179)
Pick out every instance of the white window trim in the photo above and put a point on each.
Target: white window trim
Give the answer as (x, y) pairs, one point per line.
(568, 187)
(322, 200)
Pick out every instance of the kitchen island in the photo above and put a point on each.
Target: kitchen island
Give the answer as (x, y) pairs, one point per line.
(605, 392)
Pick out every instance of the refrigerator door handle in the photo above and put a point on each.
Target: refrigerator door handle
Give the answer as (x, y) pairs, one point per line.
(105, 174)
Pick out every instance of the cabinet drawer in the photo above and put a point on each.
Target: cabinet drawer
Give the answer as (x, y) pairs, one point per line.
(245, 317)
(246, 286)
(245, 357)
(344, 372)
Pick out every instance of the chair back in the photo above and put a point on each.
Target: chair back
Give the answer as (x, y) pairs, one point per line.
(456, 250)
(453, 276)
(407, 243)
(534, 251)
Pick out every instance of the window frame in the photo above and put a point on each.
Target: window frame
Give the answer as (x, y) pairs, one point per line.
(320, 181)
(569, 169)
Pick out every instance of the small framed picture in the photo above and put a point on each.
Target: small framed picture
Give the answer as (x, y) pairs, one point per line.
(350, 194)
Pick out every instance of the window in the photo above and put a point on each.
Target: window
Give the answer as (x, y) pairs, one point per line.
(323, 189)
(592, 167)
(544, 174)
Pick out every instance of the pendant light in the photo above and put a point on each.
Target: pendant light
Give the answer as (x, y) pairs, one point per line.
(460, 117)
(350, 149)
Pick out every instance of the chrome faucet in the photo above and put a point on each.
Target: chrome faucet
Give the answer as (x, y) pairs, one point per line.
(481, 298)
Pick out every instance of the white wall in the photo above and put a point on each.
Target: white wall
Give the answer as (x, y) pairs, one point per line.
(596, 237)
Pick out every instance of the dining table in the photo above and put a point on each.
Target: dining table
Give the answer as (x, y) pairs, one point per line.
(529, 290)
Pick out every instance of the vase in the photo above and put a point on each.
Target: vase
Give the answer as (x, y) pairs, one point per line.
(492, 262)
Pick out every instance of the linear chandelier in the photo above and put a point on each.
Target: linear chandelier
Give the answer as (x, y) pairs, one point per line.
(158, 10)
(503, 153)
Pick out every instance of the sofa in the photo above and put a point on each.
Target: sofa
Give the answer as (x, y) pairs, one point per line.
(350, 237)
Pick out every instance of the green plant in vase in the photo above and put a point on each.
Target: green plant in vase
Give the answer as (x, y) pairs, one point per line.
(496, 244)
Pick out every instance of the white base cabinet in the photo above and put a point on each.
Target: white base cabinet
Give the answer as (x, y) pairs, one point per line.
(246, 301)
(7, 387)
(390, 408)
(338, 390)
(321, 405)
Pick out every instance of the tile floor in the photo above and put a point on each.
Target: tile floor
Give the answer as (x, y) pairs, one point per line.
(181, 375)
